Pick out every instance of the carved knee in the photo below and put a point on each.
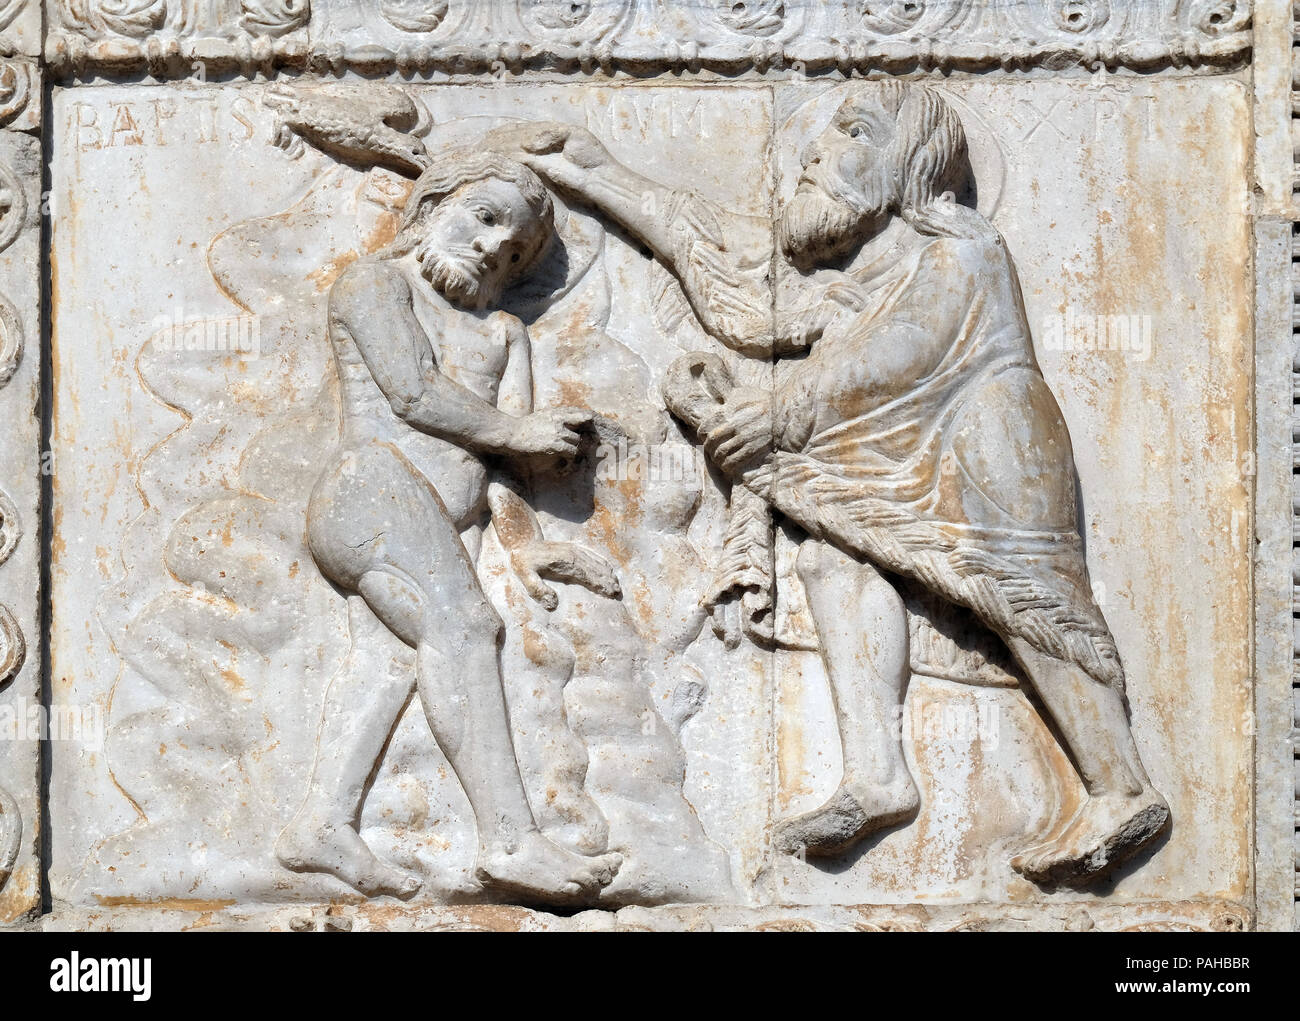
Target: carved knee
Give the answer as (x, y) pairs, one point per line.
(818, 561)
(474, 620)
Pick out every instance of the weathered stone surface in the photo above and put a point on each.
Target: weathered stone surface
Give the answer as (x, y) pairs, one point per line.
(646, 36)
(648, 465)
(20, 488)
(219, 631)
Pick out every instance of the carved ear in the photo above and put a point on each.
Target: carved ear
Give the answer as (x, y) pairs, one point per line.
(516, 524)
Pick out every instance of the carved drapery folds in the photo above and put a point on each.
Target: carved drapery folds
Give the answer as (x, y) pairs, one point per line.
(642, 36)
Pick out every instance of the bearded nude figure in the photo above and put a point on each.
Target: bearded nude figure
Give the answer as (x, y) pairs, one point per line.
(432, 382)
(914, 441)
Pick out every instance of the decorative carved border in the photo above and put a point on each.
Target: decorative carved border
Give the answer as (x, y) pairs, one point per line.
(165, 37)
(643, 36)
(1089, 916)
(20, 28)
(1295, 437)
(20, 551)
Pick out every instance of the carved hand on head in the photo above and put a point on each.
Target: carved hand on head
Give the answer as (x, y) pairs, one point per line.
(560, 153)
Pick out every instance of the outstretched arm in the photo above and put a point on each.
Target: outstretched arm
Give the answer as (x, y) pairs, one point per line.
(721, 258)
(372, 302)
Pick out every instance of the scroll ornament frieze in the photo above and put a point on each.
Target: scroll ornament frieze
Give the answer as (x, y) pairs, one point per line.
(13, 646)
(414, 15)
(13, 651)
(134, 18)
(17, 80)
(798, 36)
(9, 11)
(274, 17)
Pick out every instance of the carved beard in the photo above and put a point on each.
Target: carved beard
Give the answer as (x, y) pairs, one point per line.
(817, 226)
(457, 282)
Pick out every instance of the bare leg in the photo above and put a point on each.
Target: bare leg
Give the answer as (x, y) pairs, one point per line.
(460, 685)
(538, 663)
(1123, 811)
(862, 625)
(378, 527)
(364, 701)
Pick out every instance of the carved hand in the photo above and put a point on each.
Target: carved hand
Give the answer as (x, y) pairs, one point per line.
(561, 153)
(740, 431)
(565, 562)
(552, 432)
(370, 127)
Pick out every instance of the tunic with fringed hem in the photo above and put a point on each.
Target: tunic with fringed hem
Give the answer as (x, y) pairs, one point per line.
(960, 478)
(956, 473)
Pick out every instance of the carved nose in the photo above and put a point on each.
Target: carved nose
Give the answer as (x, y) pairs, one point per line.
(489, 249)
(810, 155)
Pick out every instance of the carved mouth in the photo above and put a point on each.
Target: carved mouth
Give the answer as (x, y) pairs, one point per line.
(810, 181)
(463, 263)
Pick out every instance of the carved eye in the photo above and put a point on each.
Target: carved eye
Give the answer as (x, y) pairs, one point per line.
(487, 217)
(514, 257)
(857, 131)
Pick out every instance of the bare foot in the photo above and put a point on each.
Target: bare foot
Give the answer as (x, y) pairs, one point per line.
(534, 869)
(583, 836)
(1106, 830)
(852, 812)
(308, 845)
(571, 819)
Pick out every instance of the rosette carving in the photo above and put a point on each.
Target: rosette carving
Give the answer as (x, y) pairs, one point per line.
(888, 17)
(274, 17)
(414, 15)
(134, 18)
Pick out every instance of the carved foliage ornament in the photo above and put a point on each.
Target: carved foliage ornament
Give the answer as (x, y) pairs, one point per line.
(887, 17)
(274, 17)
(135, 18)
(140, 18)
(9, 10)
(13, 213)
(725, 35)
(13, 647)
(1082, 15)
(11, 831)
(414, 15)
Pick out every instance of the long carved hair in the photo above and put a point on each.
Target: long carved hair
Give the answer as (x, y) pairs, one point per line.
(453, 169)
(930, 159)
(929, 146)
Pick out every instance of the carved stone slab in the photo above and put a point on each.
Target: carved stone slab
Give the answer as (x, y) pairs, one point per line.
(645, 36)
(242, 577)
(22, 716)
(621, 465)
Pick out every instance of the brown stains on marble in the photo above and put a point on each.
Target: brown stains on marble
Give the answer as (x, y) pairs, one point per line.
(164, 903)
